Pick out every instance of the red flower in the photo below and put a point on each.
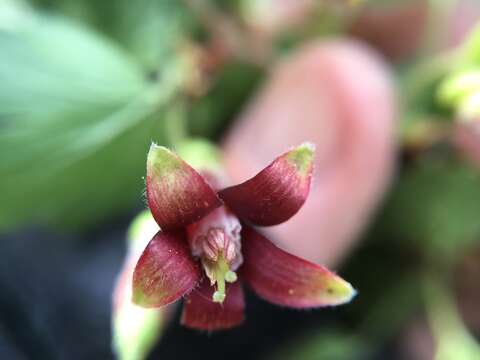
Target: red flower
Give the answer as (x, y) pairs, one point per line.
(207, 236)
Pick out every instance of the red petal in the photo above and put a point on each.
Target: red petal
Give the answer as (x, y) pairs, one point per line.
(285, 279)
(277, 192)
(200, 312)
(165, 271)
(177, 195)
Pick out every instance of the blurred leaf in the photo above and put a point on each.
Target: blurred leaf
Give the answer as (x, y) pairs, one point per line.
(209, 116)
(455, 89)
(471, 51)
(76, 118)
(395, 270)
(419, 83)
(424, 118)
(460, 90)
(200, 154)
(326, 345)
(149, 29)
(402, 294)
(436, 205)
(451, 336)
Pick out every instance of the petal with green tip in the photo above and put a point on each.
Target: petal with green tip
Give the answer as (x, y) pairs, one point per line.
(200, 312)
(177, 195)
(165, 271)
(284, 279)
(276, 193)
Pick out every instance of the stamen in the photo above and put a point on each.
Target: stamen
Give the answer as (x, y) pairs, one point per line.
(219, 273)
(230, 276)
(216, 241)
(218, 297)
(221, 269)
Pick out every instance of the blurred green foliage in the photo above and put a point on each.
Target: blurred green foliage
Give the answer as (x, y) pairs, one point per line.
(453, 339)
(460, 90)
(85, 86)
(328, 345)
(148, 29)
(76, 115)
(208, 116)
(434, 207)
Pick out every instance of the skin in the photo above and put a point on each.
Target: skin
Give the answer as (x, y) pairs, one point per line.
(337, 94)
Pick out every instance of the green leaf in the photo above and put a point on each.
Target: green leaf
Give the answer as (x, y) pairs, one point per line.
(455, 89)
(435, 205)
(200, 154)
(330, 344)
(148, 29)
(461, 88)
(234, 85)
(471, 51)
(452, 338)
(76, 116)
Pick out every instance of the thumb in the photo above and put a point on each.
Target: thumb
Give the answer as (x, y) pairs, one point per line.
(337, 94)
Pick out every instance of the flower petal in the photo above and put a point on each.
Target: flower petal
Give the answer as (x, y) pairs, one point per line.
(277, 192)
(177, 195)
(200, 312)
(165, 271)
(285, 279)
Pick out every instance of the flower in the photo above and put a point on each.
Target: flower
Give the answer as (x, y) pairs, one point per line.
(207, 245)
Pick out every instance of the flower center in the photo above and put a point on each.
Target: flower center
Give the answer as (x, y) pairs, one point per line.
(215, 239)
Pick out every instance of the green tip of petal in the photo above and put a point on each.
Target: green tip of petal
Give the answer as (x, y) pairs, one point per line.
(302, 157)
(339, 291)
(161, 160)
(138, 298)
